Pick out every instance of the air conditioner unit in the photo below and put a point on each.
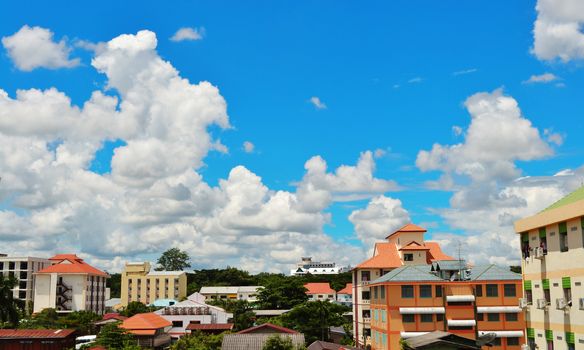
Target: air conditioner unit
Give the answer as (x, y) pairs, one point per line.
(581, 303)
(538, 253)
(523, 303)
(561, 304)
(542, 303)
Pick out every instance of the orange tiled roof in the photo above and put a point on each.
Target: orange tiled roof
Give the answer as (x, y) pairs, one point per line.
(386, 257)
(146, 321)
(414, 246)
(408, 228)
(347, 290)
(436, 253)
(71, 263)
(319, 288)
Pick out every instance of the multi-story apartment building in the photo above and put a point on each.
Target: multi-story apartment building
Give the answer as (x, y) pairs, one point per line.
(552, 245)
(70, 284)
(249, 293)
(23, 269)
(141, 284)
(447, 296)
(405, 246)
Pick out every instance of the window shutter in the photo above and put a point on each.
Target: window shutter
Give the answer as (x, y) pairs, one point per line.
(563, 227)
(527, 285)
(530, 333)
(566, 282)
(570, 339)
(549, 334)
(542, 232)
(546, 283)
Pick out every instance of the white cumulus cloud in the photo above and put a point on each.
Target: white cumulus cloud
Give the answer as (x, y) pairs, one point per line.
(317, 103)
(541, 79)
(248, 147)
(558, 30)
(188, 34)
(34, 47)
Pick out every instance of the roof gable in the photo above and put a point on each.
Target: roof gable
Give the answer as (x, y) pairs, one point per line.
(319, 288)
(71, 263)
(386, 256)
(145, 321)
(347, 290)
(408, 228)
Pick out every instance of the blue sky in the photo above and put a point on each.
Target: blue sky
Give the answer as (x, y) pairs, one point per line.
(393, 76)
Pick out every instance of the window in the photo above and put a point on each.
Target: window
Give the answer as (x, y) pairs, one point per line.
(439, 317)
(479, 290)
(543, 240)
(496, 342)
(480, 317)
(493, 317)
(22, 284)
(509, 290)
(11, 265)
(24, 265)
(511, 317)
(426, 318)
(408, 257)
(177, 324)
(382, 292)
(425, 291)
(365, 276)
(407, 292)
(567, 287)
(366, 295)
(438, 291)
(529, 296)
(512, 341)
(408, 318)
(22, 294)
(563, 228)
(546, 295)
(492, 290)
(383, 316)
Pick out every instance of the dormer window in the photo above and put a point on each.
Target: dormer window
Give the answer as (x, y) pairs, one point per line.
(409, 257)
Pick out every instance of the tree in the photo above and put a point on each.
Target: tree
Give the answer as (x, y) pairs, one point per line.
(9, 310)
(135, 307)
(314, 318)
(115, 284)
(243, 316)
(173, 259)
(80, 320)
(199, 341)
(112, 337)
(282, 293)
(277, 342)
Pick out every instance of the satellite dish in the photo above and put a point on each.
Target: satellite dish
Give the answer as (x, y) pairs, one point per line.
(485, 339)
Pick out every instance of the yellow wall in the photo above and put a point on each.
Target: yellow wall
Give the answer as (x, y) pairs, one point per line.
(137, 285)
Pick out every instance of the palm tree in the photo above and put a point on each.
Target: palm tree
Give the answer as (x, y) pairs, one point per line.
(9, 311)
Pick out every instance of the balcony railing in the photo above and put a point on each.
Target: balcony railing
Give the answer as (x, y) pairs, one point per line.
(366, 319)
(365, 301)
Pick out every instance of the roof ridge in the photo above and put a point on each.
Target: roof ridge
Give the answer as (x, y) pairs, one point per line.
(485, 270)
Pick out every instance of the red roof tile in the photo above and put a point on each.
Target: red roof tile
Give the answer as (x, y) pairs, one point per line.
(113, 315)
(385, 256)
(146, 321)
(408, 228)
(71, 263)
(319, 288)
(436, 253)
(267, 328)
(212, 326)
(35, 333)
(347, 290)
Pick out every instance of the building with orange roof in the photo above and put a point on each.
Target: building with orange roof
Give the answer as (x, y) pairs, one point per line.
(345, 295)
(150, 330)
(406, 246)
(320, 291)
(70, 284)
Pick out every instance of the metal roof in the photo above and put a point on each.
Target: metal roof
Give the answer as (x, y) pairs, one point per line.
(35, 333)
(411, 273)
(420, 273)
(569, 199)
(492, 273)
(255, 341)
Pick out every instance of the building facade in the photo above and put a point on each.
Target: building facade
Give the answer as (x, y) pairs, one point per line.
(307, 266)
(249, 293)
(141, 284)
(320, 291)
(193, 311)
(447, 296)
(70, 284)
(23, 269)
(345, 295)
(405, 246)
(552, 246)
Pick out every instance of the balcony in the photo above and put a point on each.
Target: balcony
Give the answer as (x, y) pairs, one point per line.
(366, 301)
(460, 298)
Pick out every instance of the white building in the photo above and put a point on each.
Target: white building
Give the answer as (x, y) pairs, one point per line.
(22, 268)
(345, 295)
(307, 266)
(70, 284)
(194, 310)
(249, 293)
(320, 291)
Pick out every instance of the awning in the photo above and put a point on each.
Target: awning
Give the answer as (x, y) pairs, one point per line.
(456, 298)
(503, 334)
(462, 323)
(498, 309)
(421, 310)
(407, 335)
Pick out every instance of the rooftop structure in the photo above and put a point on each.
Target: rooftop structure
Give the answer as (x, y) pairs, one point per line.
(307, 266)
(552, 248)
(320, 291)
(405, 246)
(249, 293)
(149, 329)
(70, 284)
